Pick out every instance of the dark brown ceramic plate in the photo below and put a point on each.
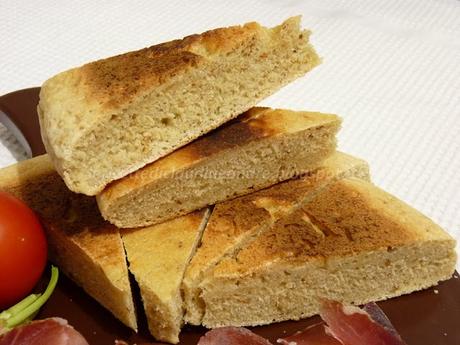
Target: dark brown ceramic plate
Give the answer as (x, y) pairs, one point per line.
(430, 317)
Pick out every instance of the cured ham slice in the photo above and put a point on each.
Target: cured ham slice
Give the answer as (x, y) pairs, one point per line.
(122, 342)
(232, 336)
(379, 316)
(53, 331)
(347, 325)
(313, 335)
(355, 326)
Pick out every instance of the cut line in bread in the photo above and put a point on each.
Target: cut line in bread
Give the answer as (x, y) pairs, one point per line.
(158, 256)
(352, 242)
(235, 223)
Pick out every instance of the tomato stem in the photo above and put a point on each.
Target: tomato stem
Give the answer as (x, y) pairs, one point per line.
(26, 309)
(6, 314)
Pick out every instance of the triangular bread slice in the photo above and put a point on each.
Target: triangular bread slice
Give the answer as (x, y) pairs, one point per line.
(236, 222)
(260, 148)
(158, 256)
(84, 246)
(352, 242)
(108, 118)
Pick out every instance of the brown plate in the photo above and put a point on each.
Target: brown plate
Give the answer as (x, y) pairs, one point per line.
(429, 317)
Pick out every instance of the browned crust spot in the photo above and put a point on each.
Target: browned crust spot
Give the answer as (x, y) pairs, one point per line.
(230, 219)
(337, 222)
(118, 79)
(244, 129)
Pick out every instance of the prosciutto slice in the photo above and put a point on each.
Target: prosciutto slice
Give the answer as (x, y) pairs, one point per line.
(122, 342)
(379, 316)
(232, 336)
(53, 331)
(313, 335)
(355, 326)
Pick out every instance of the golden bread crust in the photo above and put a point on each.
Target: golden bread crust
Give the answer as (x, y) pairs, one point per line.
(231, 219)
(351, 242)
(235, 223)
(255, 124)
(117, 80)
(158, 256)
(166, 243)
(348, 217)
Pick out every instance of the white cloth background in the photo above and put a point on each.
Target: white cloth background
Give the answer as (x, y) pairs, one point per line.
(391, 69)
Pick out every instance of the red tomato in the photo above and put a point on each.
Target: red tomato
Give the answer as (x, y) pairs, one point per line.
(23, 250)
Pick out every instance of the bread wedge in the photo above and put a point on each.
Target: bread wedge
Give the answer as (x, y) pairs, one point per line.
(260, 148)
(158, 256)
(237, 222)
(84, 246)
(108, 118)
(352, 242)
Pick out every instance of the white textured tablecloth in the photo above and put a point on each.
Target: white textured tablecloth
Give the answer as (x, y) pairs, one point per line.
(391, 69)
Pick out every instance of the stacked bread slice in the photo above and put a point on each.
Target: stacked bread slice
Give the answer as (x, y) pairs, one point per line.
(237, 222)
(158, 256)
(224, 213)
(108, 118)
(260, 258)
(351, 242)
(260, 148)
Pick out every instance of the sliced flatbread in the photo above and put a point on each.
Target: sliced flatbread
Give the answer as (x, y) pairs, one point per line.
(158, 256)
(108, 118)
(352, 242)
(84, 246)
(236, 222)
(260, 148)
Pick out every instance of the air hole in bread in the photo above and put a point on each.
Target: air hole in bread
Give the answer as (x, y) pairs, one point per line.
(167, 121)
